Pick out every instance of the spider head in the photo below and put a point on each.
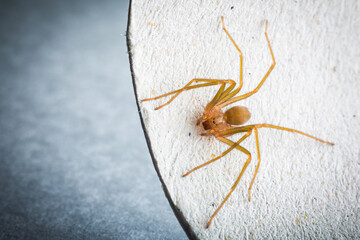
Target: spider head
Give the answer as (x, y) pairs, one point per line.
(212, 121)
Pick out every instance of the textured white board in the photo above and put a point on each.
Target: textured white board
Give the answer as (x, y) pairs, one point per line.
(304, 188)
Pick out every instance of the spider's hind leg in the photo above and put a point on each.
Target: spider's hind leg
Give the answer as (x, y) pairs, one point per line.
(259, 160)
(248, 128)
(232, 146)
(242, 149)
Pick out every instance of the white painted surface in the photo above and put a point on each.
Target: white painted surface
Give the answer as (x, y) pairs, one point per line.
(304, 188)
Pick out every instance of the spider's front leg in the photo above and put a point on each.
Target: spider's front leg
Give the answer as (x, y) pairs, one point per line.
(208, 82)
(233, 99)
(241, 62)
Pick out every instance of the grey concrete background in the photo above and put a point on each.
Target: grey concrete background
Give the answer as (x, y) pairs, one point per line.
(73, 159)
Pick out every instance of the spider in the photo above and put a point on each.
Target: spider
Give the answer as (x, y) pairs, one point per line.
(215, 122)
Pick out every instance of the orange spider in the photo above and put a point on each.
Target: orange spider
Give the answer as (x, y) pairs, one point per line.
(220, 125)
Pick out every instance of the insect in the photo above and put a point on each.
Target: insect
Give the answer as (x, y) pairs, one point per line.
(215, 122)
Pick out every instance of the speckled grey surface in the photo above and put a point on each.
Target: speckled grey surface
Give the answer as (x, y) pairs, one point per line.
(74, 163)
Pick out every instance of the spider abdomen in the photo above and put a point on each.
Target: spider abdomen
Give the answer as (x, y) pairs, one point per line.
(237, 115)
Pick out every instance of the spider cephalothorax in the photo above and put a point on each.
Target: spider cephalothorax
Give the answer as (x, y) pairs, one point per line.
(216, 121)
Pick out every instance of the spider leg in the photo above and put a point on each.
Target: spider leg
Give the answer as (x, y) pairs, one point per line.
(187, 87)
(176, 91)
(234, 130)
(248, 128)
(246, 95)
(241, 57)
(259, 160)
(218, 96)
(229, 142)
(256, 127)
(209, 82)
(232, 146)
(223, 95)
(290, 130)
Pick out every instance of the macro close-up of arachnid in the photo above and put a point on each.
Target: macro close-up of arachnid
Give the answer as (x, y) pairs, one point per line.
(176, 119)
(248, 110)
(222, 124)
